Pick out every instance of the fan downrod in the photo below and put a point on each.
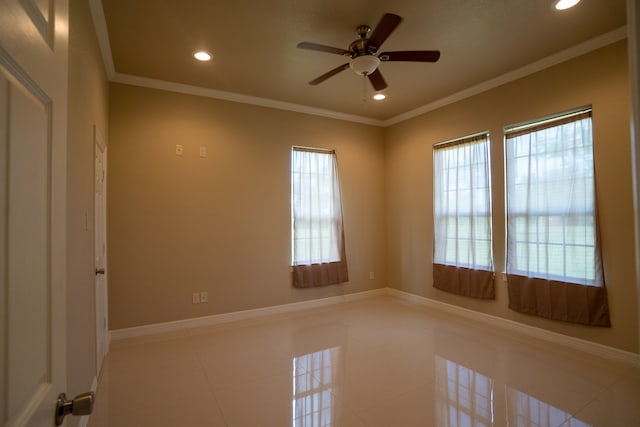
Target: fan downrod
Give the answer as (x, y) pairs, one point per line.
(363, 30)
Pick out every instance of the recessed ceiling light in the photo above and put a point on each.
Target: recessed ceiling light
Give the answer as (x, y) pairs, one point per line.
(203, 56)
(379, 96)
(564, 4)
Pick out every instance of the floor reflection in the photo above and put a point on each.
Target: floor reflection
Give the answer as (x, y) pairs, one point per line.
(527, 411)
(464, 396)
(377, 363)
(313, 400)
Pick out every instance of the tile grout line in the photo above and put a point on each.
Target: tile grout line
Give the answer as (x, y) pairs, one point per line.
(211, 389)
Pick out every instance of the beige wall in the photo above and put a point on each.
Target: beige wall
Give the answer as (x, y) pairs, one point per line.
(88, 98)
(181, 224)
(599, 79)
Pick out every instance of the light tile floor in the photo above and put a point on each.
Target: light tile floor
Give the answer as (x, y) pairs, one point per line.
(377, 362)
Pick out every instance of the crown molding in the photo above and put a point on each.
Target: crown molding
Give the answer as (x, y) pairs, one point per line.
(102, 33)
(555, 59)
(237, 97)
(100, 24)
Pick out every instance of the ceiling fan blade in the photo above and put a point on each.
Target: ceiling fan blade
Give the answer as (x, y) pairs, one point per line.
(411, 55)
(326, 75)
(377, 80)
(323, 48)
(385, 27)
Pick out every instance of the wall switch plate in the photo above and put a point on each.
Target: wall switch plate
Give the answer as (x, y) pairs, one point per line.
(204, 296)
(203, 151)
(372, 275)
(195, 298)
(179, 150)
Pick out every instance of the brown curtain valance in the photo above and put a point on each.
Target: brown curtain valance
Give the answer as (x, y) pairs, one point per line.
(464, 281)
(557, 300)
(325, 274)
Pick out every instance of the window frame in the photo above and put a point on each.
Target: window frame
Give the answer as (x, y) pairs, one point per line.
(323, 261)
(529, 127)
(480, 138)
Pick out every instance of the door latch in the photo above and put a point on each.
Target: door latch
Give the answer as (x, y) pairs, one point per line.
(82, 404)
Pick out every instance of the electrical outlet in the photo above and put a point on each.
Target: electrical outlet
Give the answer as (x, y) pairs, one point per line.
(372, 275)
(195, 298)
(204, 296)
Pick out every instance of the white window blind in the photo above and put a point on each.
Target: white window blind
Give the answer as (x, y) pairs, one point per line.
(462, 203)
(551, 226)
(316, 211)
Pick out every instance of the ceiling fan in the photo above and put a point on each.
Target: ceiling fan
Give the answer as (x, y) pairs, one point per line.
(364, 55)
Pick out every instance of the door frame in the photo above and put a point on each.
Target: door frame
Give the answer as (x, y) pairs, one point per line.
(101, 298)
(633, 44)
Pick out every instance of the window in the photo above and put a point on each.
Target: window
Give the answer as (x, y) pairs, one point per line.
(553, 256)
(463, 262)
(318, 250)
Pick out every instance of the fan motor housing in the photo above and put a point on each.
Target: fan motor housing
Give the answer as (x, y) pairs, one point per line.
(359, 47)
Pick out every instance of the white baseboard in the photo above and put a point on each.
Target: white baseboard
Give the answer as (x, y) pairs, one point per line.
(181, 325)
(555, 338)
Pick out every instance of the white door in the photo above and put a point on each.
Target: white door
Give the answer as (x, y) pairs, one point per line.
(33, 123)
(100, 251)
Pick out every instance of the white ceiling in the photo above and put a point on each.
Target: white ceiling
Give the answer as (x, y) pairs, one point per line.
(254, 46)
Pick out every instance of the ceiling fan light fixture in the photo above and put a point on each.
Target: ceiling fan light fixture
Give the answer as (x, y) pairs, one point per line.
(202, 56)
(364, 55)
(364, 65)
(564, 4)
